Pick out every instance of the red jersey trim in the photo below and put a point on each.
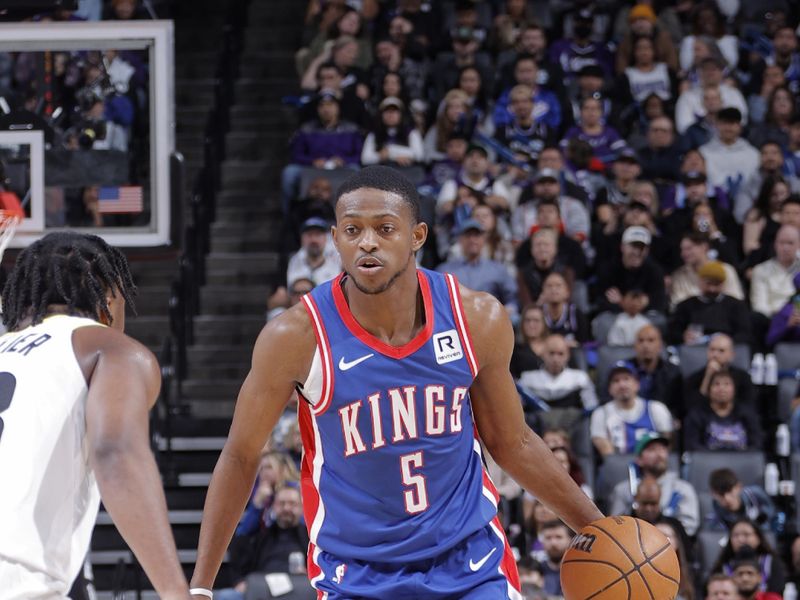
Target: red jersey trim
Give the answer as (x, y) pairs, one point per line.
(370, 340)
(325, 350)
(461, 322)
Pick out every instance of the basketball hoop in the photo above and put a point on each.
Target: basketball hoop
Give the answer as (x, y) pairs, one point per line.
(9, 221)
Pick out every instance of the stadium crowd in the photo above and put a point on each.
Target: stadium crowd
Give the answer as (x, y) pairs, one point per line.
(625, 178)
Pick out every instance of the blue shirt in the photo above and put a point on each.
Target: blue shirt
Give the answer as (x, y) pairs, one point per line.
(484, 275)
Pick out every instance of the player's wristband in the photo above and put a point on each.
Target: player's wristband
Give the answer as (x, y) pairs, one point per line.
(201, 592)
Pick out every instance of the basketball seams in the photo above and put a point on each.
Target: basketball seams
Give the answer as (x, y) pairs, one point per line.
(656, 554)
(623, 576)
(616, 542)
(646, 559)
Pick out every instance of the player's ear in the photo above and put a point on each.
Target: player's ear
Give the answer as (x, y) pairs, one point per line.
(419, 234)
(333, 236)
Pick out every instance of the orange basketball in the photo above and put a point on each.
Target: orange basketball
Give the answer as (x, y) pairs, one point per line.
(620, 558)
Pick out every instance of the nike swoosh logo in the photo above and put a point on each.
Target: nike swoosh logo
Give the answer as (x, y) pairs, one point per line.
(344, 365)
(474, 566)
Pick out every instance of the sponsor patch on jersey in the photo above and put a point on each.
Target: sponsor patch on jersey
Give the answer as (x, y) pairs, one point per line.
(447, 346)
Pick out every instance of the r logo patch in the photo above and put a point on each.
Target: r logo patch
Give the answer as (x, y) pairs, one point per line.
(447, 346)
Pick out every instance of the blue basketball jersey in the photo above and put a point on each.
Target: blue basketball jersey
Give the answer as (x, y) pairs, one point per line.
(392, 470)
(639, 428)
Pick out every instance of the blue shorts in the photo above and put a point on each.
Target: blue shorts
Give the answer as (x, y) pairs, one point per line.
(481, 567)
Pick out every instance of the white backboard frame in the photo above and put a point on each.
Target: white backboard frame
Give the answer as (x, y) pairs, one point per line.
(30, 229)
(112, 35)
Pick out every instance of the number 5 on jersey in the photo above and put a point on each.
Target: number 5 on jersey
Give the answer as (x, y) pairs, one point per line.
(416, 496)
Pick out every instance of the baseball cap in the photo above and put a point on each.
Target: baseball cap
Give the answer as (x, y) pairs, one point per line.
(712, 270)
(546, 174)
(642, 11)
(637, 235)
(694, 177)
(628, 154)
(391, 102)
(647, 439)
(477, 148)
(470, 225)
(622, 366)
(315, 223)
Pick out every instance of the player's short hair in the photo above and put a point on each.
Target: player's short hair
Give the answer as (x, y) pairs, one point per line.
(64, 267)
(386, 179)
(722, 481)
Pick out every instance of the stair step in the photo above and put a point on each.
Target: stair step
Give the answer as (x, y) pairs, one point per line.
(252, 262)
(226, 355)
(234, 300)
(232, 216)
(204, 409)
(217, 390)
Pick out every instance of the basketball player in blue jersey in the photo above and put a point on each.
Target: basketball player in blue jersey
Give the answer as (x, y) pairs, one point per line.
(75, 392)
(402, 374)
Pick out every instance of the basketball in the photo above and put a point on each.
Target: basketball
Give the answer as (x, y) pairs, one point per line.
(620, 558)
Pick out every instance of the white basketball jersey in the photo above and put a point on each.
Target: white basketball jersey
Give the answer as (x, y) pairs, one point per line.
(48, 495)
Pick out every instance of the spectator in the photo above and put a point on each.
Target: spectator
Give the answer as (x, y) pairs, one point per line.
(546, 188)
(391, 58)
(710, 312)
(604, 139)
(556, 538)
(643, 23)
(532, 40)
(528, 352)
(508, 24)
(531, 276)
(318, 202)
(678, 497)
(394, 139)
(708, 21)
(785, 325)
(564, 455)
(660, 159)
(748, 577)
(282, 299)
(545, 106)
(680, 205)
(618, 425)
(626, 170)
(567, 392)
(685, 281)
(705, 126)
(784, 56)
(762, 220)
(479, 273)
(331, 78)
(658, 378)
(733, 501)
(704, 221)
(745, 533)
(454, 117)
(317, 259)
(560, 315)
(634, 270)
(526, 133)
(646, 75)
(268, 551)
(681, 544)
(773, 280)
(690, 103)
(470, 82)
(475, 174)
(724, 423)
(464, 51)
(771, 163)
(274, 471)
(721, 587)
(775, 126)
(719, 357)
(573, 53)
(325, 144)
(625, 327)
(646, 506)
(730, 159)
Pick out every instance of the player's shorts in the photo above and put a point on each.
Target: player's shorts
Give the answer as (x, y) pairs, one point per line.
(481, 567)
(17, 582)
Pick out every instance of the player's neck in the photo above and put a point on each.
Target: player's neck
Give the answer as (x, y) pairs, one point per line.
(394, 316)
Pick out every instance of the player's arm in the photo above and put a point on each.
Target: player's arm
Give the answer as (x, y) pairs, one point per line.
(498, 414)
(123, 385)
(281, 358)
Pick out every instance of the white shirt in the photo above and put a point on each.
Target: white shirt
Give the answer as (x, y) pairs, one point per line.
(550, 388)
(299, 267)
(49, 498)
(608, 421)
(772, 286)
(623, 331)
(690, 107)
(729, 163)
(413, 150)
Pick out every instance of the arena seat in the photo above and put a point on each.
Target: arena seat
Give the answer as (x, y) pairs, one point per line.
(748, 466)
(693, 358)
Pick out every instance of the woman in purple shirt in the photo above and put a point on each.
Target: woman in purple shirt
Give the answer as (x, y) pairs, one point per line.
(604, 139)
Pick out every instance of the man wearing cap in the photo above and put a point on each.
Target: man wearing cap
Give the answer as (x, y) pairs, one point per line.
(626, 171)
(690, 103)
(711, 311)
(478, 272)
(317, 258)
(547, 188)
(619, 424)
(730, 159)
(685, 281)
(635, 269)
(678, 497)
(474, 174)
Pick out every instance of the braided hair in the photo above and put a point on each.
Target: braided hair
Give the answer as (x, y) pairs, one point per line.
(74, 269)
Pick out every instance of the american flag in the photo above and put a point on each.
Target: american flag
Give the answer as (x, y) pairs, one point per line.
(124, 199)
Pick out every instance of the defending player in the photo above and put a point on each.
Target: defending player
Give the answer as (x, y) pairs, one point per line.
(74, 399)
(395, 367)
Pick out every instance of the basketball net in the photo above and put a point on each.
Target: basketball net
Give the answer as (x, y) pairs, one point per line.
(9, 222)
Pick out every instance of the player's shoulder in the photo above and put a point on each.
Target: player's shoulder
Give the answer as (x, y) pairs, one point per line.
(94, 345)
(287, 342)
(487, 319)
